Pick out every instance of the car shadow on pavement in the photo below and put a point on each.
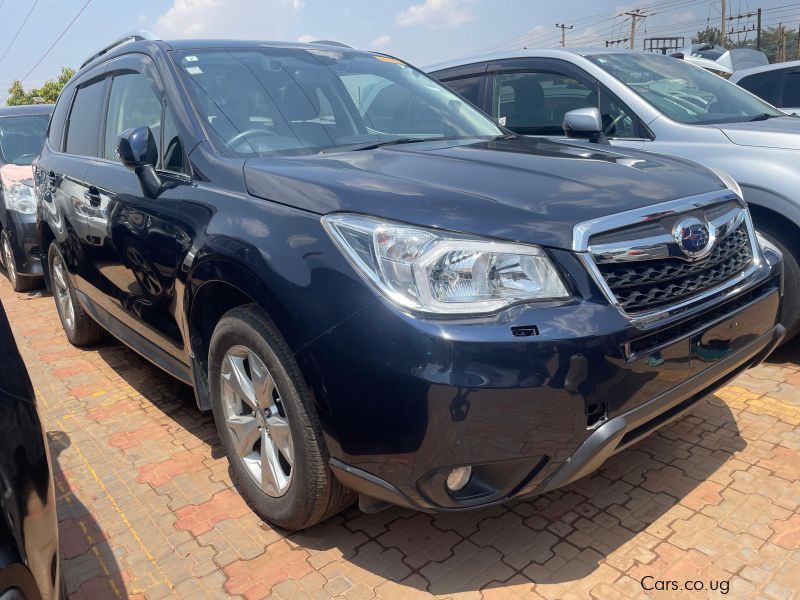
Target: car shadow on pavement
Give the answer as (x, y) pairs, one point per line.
(88, 564)
(174, 398)
(555, 538)
(788, 353)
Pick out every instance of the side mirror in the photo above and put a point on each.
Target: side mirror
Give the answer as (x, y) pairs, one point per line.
(137, 150)
(584, 123)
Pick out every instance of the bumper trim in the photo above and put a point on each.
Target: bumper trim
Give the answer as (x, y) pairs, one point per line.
(368, 484)
(627, 429)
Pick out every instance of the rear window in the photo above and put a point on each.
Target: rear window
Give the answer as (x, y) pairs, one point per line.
(83, 130)
(56, 133)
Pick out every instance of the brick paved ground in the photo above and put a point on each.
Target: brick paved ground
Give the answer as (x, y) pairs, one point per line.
(147, 510)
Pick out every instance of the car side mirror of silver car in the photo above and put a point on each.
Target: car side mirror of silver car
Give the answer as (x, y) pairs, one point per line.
(585, 123)
(136, 148)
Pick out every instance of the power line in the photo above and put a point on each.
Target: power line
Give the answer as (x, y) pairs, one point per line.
(16, 35)
(58, 39)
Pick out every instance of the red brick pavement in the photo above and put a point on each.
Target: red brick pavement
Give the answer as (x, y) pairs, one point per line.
(147, 509)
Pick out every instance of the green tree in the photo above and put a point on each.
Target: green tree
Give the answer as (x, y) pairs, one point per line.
(17, 96)
(710, 35)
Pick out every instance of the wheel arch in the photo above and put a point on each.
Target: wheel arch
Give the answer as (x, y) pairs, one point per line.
(215, 287)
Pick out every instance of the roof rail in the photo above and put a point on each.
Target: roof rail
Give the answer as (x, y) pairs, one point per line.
(330, 43)
(135, 36)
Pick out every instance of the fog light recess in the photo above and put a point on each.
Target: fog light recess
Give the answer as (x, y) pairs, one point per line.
(458, 478)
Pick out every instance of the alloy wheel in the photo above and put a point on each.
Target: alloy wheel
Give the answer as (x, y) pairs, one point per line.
(62, 293)
(256, 420)
(8, 259)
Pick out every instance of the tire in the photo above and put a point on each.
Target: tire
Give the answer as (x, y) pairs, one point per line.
(286, 482)
(790, 311)
(20, 283)
(80, 328)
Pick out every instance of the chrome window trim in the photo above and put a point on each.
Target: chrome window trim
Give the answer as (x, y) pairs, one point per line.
(583, 232)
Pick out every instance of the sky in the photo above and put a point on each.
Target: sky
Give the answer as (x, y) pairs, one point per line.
(419, 31)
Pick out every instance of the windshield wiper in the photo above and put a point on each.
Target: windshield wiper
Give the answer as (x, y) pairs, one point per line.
(763, 117)
(408, 140)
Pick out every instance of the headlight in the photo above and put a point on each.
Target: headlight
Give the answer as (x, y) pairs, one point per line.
(729, 181)
(443, 273)
(19, 197)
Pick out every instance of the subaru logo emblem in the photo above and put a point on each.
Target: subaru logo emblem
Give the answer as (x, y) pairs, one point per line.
(695, 237)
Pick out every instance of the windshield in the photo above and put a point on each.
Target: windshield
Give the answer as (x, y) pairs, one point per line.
(22, 138)
(272, 101)
(683, 92)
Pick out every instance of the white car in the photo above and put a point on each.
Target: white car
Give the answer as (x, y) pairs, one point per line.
(658, 103)
(778, 84)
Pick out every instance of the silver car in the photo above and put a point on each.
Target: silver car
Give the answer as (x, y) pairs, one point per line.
(778, 84)
(658, 103)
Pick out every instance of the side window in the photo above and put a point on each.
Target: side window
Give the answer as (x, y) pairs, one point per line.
(55, 134)
(618, 122)
(534, 103)
(83, 129)
(132, 103)
(791, 91)
(467, 87)
(174, 158)
(764, 85)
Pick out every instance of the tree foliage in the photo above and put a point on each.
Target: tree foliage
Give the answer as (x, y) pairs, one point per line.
(770, 41)
(17, 96)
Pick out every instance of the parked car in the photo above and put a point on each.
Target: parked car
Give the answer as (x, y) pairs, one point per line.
(374, 287)
(778, 84)
(22, 131)
(657, 103)
(720, 60)
(29, 559)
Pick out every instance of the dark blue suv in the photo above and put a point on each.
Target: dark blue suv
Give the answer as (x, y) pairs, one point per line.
(375, 288)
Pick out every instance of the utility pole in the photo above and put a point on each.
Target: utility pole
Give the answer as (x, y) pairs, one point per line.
(722, 27)
(636, 14)
(781, 44)
(563, 29)
(797, 46)
(758, 35)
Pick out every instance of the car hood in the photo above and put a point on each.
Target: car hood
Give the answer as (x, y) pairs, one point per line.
(17, 174)
(780, 132)
(522, 189)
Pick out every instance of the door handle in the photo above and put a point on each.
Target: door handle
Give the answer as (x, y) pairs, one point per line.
(93, 196)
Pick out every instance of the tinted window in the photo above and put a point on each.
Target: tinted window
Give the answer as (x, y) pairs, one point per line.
(57, 123)
(174, 159)
(83, 130)
(764, 85)
(791, 91)
(534, 103)
(268, 101)
(468, 88)
(132, 103)
(21, 138)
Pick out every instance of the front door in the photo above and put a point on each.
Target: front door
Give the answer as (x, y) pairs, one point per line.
(131, 246)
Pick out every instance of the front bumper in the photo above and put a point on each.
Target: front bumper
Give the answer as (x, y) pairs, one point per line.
(24, 243)
(532, 399)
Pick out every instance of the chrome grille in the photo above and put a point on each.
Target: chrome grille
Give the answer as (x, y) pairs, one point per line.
(651, 284)
(648, 262)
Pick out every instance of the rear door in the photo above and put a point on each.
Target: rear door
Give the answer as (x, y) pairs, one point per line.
(61, 171)
(131, 250)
